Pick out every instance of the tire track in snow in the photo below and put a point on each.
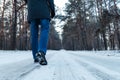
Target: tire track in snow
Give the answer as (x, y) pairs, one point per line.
(49, 56)
(100, 72)
(68, 69)
(19, 69)
(62, 69)
(13, 71)
(64, 66)
(61, 66)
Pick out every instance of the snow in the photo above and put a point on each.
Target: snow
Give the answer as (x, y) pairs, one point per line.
(7, 57)
(62, 65)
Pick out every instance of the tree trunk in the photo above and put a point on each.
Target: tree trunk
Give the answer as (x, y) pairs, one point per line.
(105, 40)
(13, 43)
(2, 27)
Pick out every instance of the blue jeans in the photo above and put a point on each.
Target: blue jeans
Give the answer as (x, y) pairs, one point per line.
(39, 43)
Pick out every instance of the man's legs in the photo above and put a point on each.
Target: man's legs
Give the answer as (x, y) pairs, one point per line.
(34, 37)
(44, 35)
(41, 47)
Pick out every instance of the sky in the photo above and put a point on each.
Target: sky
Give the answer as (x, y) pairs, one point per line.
(60, 3)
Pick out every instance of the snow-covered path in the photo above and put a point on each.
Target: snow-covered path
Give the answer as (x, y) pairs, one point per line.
(62, 65)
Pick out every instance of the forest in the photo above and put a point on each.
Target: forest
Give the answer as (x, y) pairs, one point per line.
(89, 25)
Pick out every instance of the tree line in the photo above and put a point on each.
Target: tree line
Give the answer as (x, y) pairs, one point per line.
(89, 25)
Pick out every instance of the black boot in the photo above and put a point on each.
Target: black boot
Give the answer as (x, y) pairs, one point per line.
(41, 58)
(36, 60)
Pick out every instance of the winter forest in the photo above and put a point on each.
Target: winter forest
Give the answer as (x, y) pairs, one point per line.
(88, 25)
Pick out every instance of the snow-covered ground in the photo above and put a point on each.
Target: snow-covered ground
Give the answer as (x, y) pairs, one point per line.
(62, 65)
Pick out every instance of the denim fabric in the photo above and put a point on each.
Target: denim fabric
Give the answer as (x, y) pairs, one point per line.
(39, 42)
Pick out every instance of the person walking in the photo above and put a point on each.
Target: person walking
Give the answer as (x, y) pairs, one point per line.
(40, 13)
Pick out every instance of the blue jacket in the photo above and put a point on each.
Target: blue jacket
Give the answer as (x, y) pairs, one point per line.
(39, 9)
